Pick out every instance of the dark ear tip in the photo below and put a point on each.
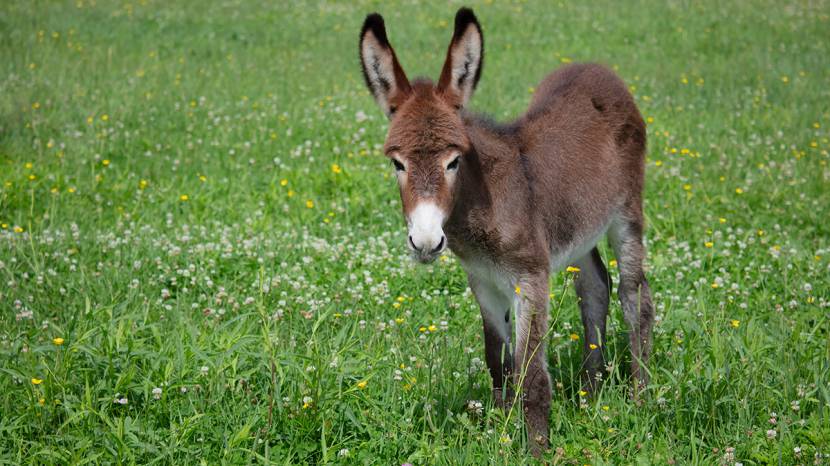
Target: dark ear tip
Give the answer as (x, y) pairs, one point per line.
(464, 18)
(374, 22)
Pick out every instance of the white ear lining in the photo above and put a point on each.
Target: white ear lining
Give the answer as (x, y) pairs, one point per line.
(377, 61)
(466, 58)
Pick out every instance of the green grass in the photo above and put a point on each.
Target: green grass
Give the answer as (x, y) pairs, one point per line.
(275, 331)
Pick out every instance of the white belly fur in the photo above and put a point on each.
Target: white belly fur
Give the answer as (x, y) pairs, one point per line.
(498, 295)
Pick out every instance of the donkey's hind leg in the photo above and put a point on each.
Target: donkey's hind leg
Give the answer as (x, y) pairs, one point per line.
(593, 287)
(626, 238)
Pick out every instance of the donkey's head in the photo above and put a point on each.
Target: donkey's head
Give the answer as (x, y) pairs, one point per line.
(427, 139)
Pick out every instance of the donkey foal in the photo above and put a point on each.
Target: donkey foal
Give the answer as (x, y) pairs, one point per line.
(520, 200)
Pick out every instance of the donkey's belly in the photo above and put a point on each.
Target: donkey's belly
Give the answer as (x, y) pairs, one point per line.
(581, 245)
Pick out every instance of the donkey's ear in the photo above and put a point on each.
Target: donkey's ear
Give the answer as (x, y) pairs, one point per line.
(383, 74)
(465, 58)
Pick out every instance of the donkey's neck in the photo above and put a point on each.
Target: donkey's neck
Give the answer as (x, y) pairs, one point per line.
(490, 187)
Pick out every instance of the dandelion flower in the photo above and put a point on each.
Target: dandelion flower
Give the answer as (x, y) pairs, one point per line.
(362, 384)
(735, 323)
(572, 269)
(593, 346)
(309, 204)
(58, 341)
(36, 381)
(574, 337)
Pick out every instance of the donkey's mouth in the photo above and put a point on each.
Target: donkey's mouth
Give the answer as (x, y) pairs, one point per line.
(425, 257)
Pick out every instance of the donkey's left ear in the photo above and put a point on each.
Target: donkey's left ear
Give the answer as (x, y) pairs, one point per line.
(383, 74)
(465, 58)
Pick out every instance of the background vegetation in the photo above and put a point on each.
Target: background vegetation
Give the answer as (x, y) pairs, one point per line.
(202, 258)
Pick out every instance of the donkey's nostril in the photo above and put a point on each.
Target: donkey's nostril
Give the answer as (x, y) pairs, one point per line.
(412, 243)
(440, 246)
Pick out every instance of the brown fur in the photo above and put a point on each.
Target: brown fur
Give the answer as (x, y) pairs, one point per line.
(526, 195)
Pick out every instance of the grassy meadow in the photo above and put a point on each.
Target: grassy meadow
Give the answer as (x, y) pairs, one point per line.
(203, 260)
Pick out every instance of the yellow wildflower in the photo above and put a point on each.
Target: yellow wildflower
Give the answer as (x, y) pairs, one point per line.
(574, 337)
(184, 197)
(58, 341)
(572, 269)
(36, 381)
(309, 203)
(362, 384)
(735, 323)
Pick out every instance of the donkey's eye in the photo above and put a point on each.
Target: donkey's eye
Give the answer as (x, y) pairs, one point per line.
(454, 164)
(398, 166)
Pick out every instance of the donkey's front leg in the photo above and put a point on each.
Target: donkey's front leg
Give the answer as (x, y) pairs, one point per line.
(531, 358)
(495, 312)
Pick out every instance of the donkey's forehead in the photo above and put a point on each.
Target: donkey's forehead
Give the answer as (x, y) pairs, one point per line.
(426, 124)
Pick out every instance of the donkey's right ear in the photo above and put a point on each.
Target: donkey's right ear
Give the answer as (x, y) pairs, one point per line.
(383, 74)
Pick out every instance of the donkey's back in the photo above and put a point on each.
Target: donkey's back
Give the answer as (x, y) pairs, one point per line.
(588, 106)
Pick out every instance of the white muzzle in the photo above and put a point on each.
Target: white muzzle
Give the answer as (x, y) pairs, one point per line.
(426, 234)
